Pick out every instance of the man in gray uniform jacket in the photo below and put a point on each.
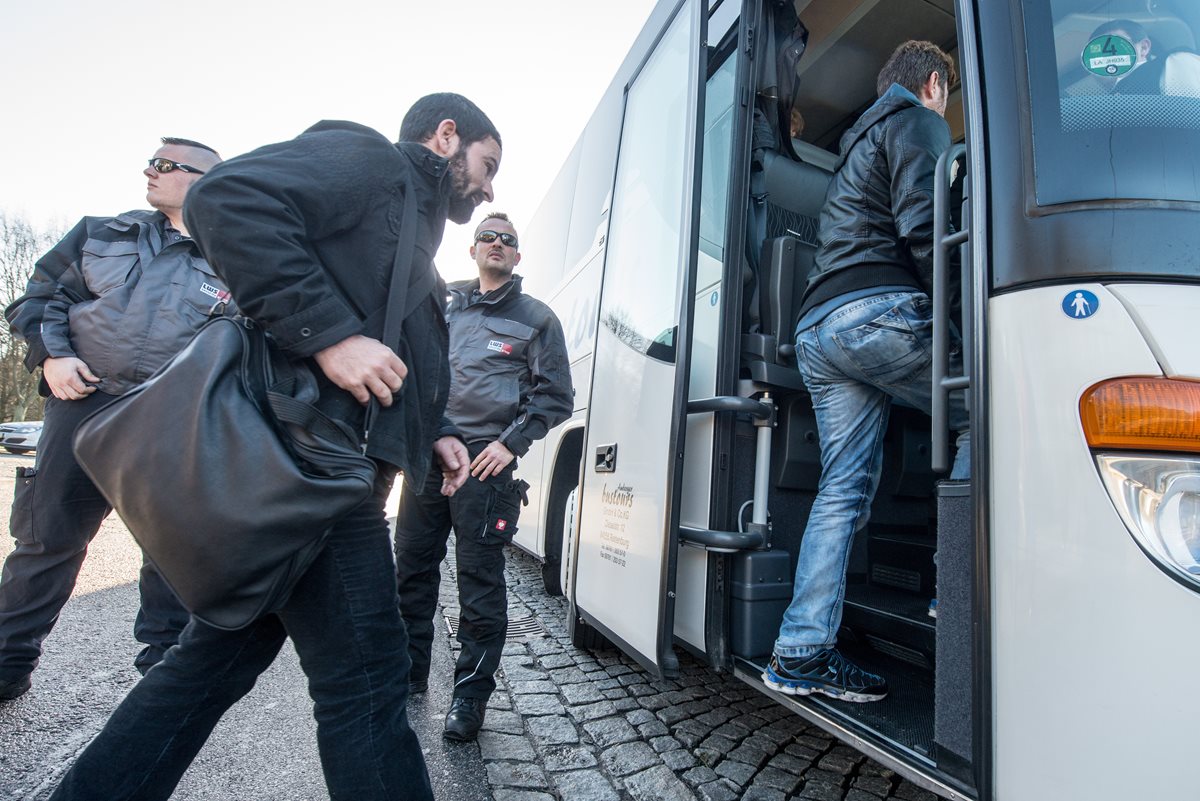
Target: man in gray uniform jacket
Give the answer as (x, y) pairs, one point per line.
(113, 301)
(510, 383)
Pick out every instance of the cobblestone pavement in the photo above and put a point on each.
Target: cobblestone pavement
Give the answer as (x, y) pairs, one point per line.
(580, 726)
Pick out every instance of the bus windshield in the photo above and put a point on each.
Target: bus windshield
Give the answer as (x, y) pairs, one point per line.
(1115, 91)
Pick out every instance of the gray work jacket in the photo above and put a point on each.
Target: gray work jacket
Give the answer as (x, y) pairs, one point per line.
(124, 294)
(510, 379)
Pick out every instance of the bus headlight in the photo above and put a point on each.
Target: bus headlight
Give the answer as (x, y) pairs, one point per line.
(1158, 498)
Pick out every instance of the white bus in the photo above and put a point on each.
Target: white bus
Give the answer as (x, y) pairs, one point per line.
(674, 246)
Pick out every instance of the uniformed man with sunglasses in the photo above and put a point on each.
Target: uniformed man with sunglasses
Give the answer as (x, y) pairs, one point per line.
(113, 301)
(510, 383)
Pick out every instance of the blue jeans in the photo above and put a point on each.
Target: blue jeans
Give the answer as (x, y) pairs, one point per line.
(344, 620)
(854, 362)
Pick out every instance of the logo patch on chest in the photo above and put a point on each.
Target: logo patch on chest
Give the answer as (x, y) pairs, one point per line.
(214, 291)
(500, 347)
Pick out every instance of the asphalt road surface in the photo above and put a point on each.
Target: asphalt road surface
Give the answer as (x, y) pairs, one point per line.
(264, 750)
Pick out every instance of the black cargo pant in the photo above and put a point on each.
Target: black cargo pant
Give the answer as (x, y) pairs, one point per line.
(56, 512)
(483, 515)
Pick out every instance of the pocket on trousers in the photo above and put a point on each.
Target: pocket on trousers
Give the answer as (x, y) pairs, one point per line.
(21, 522)
(893, 346)
(503, 512)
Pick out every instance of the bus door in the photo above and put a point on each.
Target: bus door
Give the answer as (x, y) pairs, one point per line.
(626, 541)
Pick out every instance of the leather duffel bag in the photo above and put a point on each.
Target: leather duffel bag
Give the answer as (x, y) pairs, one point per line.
(224, 471)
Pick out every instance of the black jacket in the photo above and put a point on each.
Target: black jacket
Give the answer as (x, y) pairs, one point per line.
(510, 376)
(305, 233)
(876, 227)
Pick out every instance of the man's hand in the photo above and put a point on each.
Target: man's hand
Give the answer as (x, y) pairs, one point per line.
(363, 367)
(67, 377)
(454, 459)
(491, 460)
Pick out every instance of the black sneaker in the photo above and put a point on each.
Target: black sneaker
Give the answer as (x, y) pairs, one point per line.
(826, 672)
(464, 719)
(15, 688)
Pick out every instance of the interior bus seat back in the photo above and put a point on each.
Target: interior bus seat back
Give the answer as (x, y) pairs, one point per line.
(795, 195)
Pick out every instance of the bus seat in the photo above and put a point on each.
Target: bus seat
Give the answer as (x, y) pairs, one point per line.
(797, 186)
(783, 273)
(795, 193)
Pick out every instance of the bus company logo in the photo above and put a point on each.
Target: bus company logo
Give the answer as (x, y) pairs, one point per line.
(621, 496)
(500, 347)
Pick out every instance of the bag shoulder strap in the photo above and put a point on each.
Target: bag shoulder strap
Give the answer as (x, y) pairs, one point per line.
(400, 302)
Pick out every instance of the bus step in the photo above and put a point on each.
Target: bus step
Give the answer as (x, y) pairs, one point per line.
(892, 621)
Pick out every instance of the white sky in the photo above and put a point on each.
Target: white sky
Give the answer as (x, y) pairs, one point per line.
(86, 88)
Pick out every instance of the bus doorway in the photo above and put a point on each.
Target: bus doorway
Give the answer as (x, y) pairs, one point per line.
(630, 478)
(1071, 561)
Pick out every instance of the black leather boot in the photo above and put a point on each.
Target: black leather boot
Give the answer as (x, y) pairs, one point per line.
(464, 719)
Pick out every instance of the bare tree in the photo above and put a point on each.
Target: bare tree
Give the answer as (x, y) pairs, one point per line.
(21, 245)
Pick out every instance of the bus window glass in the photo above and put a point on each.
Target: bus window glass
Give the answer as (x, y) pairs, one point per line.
(718, 136)
(1115, 95)
(641, 281)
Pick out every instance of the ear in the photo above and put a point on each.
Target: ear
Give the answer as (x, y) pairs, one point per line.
(472, 251)
(517, 259)
(1143, 49)
(445, 139)
(929, 89)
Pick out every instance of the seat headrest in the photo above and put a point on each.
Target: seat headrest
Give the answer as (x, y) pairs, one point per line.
(795, 185)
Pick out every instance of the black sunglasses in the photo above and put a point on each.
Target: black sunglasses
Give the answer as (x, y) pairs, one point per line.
(488, 237)
(166, 165)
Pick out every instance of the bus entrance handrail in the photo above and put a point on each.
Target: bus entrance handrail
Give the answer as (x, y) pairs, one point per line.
(943, 242)
(758, 533)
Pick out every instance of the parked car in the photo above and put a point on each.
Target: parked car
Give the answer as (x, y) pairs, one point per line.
(20, 437)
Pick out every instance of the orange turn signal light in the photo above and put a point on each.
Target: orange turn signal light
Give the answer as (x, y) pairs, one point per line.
(1143, 414)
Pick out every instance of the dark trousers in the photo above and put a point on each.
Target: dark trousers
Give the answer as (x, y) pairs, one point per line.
(483, 515)
(343, 619)
(56, 512)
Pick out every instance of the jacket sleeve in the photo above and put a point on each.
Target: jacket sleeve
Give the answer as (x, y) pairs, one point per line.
(40, 315)
(447, 429)
(551, 398)
(916, 138)
(257, 217)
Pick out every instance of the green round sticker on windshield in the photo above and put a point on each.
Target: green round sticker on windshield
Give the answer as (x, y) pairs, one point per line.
(1109, 56)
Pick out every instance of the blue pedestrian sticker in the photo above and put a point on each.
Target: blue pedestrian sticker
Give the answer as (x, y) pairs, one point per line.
(1079, 304)
(712, 299)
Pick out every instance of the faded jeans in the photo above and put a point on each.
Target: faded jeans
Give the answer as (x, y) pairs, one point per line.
(854, 362)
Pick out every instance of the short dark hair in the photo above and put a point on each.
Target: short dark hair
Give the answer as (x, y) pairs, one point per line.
(1136, 31)
(175, 140)
(910, 65)
(421, 121)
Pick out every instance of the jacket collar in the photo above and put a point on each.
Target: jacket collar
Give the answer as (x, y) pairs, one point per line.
(461, 291)
(131, 219)
(895, 99)
(424, 159)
